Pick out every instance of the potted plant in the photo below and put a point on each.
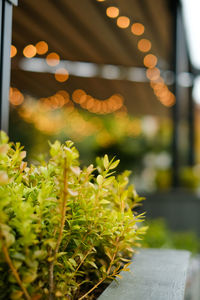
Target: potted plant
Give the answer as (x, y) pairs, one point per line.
(64, 231)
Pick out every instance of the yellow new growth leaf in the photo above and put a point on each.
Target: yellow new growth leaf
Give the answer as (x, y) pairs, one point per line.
(114, 164)
(73, 193)
(76, 170)
(106, 161)
(99, 179)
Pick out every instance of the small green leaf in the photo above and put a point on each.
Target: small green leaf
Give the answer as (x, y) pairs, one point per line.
(73, 262)
(114, 164)
(93, 264)
(29, 277)
(119, 276)
(108, 181)
(104, 201)
(61, 254)
(99, 179)
(16, 295)
(106, 161)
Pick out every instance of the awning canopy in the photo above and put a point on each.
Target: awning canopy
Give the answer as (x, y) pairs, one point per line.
(80, 31)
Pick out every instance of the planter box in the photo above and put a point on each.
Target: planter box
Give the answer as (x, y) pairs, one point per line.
(154, 275)
(180, 208)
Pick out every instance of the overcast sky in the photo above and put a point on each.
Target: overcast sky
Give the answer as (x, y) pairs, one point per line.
(191, 14)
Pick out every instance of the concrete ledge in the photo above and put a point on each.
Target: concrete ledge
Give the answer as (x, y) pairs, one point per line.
(155, 275)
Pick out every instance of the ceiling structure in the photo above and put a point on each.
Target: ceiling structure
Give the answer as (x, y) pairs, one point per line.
(80, 31)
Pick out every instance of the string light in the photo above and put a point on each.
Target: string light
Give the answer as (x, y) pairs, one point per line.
(123, 22)
(53, 59)
(59, 99)
(41, 47)
(150, 61)
(109, 105)
(153, 73)
(77, 94)
(112, 12)
(29, 51)
(137, 29)
(166, 97)
(61, 75)
(65, 94)
(144, 45)
(13, 51)
(16, 97)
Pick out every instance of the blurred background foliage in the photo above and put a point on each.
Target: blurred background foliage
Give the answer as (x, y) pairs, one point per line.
(159, 235)
(143, 143)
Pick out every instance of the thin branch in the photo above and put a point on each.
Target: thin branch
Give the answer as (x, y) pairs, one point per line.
(15, 273)
(114, 255)
(92, 289)
(82, 241)
(84, 258)
(63, 213)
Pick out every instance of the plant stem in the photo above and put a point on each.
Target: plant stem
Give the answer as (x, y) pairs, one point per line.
(63, 213)
(111, 262)
(15, 273)
(83, 240)
(108, 271)
(92, 289)
(84, 258)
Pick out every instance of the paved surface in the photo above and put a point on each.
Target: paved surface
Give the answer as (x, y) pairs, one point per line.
(192, 291)
(155, 275)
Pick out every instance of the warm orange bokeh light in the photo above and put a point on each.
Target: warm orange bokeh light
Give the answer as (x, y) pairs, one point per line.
(153, 73)
(16, 97)
(65, 95)
(144, 45)
(123, 22)
(13, 51)
(90, 103)
(77, 94)
(158, 86)
(41, 47)
(162, 93)
(53, 59)
(59, 100)
(118, 99)
(137, 29)
(29, 51)
(61, 75)
(112, 12)
(84, 100)
(168, 100)
(104, 107)
(150, 61)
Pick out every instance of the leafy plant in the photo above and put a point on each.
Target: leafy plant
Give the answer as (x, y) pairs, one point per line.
(63, 230)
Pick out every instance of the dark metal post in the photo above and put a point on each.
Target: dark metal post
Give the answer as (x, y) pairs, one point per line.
(5, 43)
(191, 128)
(183, 99)
(175, 112)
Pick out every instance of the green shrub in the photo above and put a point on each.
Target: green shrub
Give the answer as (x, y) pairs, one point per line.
(63, 230)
